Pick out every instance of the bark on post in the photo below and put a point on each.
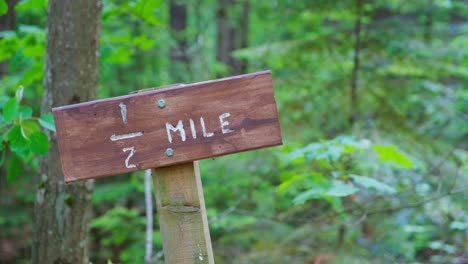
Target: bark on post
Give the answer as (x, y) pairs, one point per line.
(62, 212)
(182, 214)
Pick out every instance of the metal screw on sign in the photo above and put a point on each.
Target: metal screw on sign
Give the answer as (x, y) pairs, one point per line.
(161, 103)
(169, 152)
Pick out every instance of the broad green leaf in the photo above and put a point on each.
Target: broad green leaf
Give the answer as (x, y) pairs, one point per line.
(335, 189)
(47, 121)
(390, 153)
(143, 42)
(39, 143)
(13, 168)
(3, 7)
(341, 189)
(457, 225)
(18, 144)
(146, 11)
(10, 110)
(28, 128)
(284, 186)
(308, 195)
(319, 151)
(372, 183)
(32, 5)
(25, 111)
(336, 203)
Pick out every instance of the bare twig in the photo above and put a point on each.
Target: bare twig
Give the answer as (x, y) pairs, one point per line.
(149, 218)
(417, 204)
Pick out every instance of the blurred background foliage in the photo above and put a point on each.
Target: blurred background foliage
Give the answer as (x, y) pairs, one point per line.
(373, 104)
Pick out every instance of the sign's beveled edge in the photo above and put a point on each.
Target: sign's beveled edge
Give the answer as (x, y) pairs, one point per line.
(156, 90)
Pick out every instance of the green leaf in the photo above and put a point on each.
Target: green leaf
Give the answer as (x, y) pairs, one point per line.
(13, 168)
(284, 186)
(372, 183)
(25, 111)
(18, 143)
(336, 204)
(457, 225)
(10, 110)
(341, 189)
(30, 5)
(334, 189)
(3, 7)
(390, 153)
(39, 143)
(28, 128)
(47, 121)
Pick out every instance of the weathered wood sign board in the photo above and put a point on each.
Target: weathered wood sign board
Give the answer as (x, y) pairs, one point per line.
(167, 126)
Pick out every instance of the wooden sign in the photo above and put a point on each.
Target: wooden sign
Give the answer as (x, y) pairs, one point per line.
(167, 126)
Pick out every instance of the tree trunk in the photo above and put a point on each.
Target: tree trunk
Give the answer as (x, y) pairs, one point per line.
(243, 38)
(62, 212)
(429, 21)
(226, 33)
(179, 58)
(231, 37)
(356, 64)
(7, 22)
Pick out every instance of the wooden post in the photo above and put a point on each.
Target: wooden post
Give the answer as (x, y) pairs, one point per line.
(182, 214)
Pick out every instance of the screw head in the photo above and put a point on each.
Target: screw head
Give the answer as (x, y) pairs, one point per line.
(161, 103)
(169, 152)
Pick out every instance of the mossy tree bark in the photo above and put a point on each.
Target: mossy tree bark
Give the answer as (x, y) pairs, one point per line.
(62, 212)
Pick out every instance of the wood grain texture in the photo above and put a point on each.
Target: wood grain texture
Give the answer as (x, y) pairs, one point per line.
(182, 214)
(84, 130)
(71, 66)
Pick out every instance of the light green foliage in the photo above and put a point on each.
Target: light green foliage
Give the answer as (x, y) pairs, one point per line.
(322, 170)
(47, 121)
(333, 188)
(21, 135)
(113, 221)
(390, 153)
(372, 183)
(123, 226)
(3, 7)
(10, 110)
